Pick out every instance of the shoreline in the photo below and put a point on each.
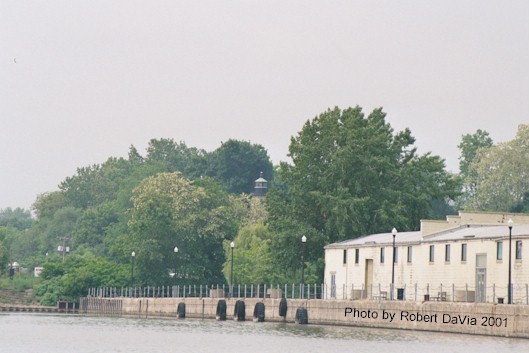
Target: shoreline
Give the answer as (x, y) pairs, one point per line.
(467, 318)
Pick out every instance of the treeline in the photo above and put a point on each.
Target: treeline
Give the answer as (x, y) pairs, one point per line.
(350, 174)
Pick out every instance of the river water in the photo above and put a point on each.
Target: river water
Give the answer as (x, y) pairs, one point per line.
(39, 333)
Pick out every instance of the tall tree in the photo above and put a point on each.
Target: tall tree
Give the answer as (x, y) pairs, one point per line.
(469, 146)
(190, 161)
(502, 175)
(168, 211)
(352, 175)
(237, 164)
(17, 218)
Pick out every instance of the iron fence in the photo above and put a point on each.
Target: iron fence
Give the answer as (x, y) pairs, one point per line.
(416, 292)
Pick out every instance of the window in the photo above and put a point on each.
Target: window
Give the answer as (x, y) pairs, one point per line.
(447, 253)
(409, 254)
(357, 256)
(518, 250)
(463, 252)
(344, 256)
(381, 255)
(432, 249)
(499, 250)
(395, 254)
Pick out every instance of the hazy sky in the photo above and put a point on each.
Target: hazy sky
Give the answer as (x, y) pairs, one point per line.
(81, 81)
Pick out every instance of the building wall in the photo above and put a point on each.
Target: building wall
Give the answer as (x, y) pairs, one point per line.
(429, 276)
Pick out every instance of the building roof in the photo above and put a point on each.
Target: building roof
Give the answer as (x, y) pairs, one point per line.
(458, 233)
(479, 232)
(381, 238)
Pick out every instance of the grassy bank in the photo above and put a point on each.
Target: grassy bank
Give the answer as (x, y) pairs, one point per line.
(18, 291)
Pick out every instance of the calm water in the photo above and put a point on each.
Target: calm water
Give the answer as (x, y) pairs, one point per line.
(32, 333)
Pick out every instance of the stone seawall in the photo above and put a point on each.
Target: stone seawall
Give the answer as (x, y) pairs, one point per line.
(469, 318)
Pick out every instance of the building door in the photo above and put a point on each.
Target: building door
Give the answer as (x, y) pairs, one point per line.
(481, 278)
(333, 286)
(369, 278)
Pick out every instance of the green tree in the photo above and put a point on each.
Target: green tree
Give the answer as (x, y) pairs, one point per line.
(4, 252)
(95, 184)
(168, 211)
(190, 161)
(252, 257)
(72, 278)
(237, 164)
(17, 218)
(469, 146)
(93, 226)
(352, 175)
(502, 175)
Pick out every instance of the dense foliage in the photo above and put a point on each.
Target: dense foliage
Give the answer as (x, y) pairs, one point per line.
(350, 174)
(499, 175)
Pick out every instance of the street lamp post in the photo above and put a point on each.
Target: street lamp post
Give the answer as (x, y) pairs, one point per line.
(132, 255)
(394, 233)
(174, 275)
(303, 242)
(509, 289)
(232, 246)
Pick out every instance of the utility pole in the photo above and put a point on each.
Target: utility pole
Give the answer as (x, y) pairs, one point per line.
(63, 249)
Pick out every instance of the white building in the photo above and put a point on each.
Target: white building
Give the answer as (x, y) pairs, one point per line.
(465, 258)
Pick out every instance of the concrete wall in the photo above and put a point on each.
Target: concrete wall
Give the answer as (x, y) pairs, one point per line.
(480, 319)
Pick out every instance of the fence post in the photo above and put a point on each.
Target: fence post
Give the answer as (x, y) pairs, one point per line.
(362, 291)
(493, 293)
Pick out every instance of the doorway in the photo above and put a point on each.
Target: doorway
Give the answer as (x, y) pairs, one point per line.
(481, 278)
(369, 278)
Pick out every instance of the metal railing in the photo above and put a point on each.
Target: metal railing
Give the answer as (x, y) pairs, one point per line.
(428, 292)
(289, 291)
(416, 292)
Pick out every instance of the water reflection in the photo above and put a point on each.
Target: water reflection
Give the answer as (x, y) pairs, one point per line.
(82, 334)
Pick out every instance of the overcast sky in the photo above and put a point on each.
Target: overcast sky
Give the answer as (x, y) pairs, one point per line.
(81, 81)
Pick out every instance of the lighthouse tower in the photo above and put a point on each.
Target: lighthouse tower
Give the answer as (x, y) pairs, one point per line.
(261, 187)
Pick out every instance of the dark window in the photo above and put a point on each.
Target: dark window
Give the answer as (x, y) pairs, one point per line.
(357, 256)
(447, 253)
(381, 255)
(432, 249)
(499, 250)
(409, 254)
(396, 254)
(463, 252)
(518, 250)
(344, 256)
